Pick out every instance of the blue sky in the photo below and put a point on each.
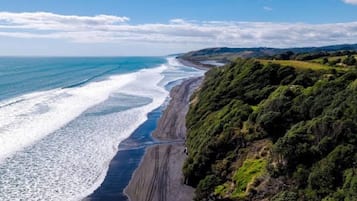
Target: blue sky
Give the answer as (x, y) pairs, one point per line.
(153, 27)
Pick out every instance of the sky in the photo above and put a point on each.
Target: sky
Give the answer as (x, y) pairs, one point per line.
(161, 27)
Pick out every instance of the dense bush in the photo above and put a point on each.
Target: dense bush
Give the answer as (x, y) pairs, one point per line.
(349, 60)
(309, 116)
(285, 196)
(310, 56)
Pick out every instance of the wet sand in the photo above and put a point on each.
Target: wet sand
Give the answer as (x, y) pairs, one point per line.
(159, 175)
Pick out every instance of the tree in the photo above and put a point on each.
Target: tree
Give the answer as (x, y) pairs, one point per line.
(285, 56)
(349, 60)
(335, 62)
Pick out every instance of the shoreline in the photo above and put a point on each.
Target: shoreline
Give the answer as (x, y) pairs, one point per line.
(159, 174)
(120, 168)
(194, 64)
(153, 137)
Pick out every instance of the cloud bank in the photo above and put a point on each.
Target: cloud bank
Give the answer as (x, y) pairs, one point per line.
(118, 29)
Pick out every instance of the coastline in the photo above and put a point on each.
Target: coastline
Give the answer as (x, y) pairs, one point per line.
(172, 124)
(125, 161)
(159, 174)
(194, 64)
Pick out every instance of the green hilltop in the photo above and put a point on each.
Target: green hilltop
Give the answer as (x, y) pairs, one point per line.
(225, 54)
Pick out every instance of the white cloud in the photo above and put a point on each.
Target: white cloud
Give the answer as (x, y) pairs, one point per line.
(114, 29)
(354, 2)
(51, 21)
(267, 8)
(177, 21)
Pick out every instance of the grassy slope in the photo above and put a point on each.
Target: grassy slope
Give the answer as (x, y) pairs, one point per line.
(303, 65)
(330, 58)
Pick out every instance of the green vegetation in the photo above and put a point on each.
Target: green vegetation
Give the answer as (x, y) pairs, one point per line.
(224, 54)
(339, 60)
(250, 170)
(330, 58)
(349, 60)
(269, 131)
(298, 64)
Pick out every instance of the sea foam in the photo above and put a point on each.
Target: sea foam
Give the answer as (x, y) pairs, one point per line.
(38, 114)
(57, 144)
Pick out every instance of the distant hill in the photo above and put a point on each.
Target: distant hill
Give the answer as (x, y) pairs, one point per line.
(225, 54)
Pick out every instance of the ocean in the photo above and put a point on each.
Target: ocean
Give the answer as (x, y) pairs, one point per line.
(62, 119)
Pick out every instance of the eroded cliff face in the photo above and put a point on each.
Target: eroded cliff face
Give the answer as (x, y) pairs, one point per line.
(268, 132)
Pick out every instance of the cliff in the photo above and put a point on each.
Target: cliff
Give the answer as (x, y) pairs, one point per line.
(270, 132)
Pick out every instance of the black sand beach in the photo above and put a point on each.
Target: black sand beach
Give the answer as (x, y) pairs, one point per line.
(159, 175)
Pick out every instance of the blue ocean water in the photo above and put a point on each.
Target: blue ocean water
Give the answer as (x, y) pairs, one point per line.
(20, 75)
(62, 119)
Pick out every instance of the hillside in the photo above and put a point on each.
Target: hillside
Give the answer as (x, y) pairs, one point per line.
(270, 132)
(225, 54)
